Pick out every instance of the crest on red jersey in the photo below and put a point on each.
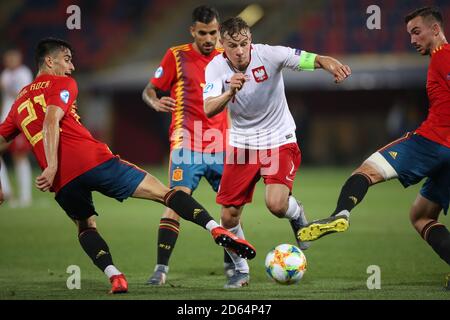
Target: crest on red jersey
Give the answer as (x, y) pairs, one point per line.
(260, 74)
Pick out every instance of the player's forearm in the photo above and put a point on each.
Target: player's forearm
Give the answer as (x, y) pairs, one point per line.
(215, 105)
(149, 96)
(51, 140)
(3, 145)
(324, 62)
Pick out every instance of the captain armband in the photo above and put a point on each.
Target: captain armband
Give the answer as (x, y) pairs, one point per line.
(307, 60)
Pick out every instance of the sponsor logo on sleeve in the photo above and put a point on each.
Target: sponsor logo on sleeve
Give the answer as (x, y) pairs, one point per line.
(64, 95)
(159, 72)
(208, 87)
(448, 77)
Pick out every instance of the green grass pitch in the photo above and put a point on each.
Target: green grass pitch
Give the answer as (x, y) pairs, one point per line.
(38, 244)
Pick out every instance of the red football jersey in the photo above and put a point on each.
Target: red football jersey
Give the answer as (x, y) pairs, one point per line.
(78, 151)
(437, 125)
(182, 71)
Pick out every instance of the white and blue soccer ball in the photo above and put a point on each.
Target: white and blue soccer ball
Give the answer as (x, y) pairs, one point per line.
(285, 264)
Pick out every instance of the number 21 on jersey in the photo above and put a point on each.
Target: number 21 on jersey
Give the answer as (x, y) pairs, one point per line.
(29, 106)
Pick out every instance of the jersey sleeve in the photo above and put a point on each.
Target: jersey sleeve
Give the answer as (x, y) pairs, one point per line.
(8, 129)
(284, 57)
(213, 81)
(63, 93)
(443, 67)
(166, 74)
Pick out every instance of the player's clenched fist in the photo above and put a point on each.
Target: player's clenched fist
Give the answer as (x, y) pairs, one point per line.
(45, 181)
(341, 73)
(237, 82)
(333, 66)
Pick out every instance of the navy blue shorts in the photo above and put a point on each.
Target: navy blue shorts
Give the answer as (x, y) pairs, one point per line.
(187, 167)
(114, 178)
(414, 157)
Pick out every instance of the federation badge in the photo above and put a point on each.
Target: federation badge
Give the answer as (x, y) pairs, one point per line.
(64, 95)
(260, 74)
(159, 72)
(177, 174)
(207, 88)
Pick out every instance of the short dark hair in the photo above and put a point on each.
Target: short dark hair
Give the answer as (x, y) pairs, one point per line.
(426, 12)
(204, 14)
(233, 27)
(47, 46)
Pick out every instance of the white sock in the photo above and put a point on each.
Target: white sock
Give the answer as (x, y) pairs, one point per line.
(293, 211)
(6, 185)
(162, 267)
(240, 264)
(344, 213)
(111, 270)
(211, 225)
(238, 231)
(23, 174)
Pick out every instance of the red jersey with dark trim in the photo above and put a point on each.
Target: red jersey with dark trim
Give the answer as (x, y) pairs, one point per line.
(437, 125)
(78, 151)
(182, 71)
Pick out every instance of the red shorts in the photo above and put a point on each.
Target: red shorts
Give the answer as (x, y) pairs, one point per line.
(20, 145)
(243, 169)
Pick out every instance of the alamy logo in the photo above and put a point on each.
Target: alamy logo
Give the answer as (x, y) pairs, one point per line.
(374, 280)
(74, 280)
(74, 20)
(374, 20)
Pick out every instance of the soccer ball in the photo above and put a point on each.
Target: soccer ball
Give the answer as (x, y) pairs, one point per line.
(285, 264)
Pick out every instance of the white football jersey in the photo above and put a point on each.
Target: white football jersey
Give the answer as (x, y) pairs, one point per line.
(260, 116)
(12, 81)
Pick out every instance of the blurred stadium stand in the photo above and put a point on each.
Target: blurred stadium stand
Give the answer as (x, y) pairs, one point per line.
(121, 43)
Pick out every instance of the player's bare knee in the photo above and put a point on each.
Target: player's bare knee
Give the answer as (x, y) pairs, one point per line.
(230, 216)
(422, 212)
(277, 207)
(367, 171)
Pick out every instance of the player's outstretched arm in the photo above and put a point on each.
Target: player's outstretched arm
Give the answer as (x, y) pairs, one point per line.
(3, 146)
(333, 66)
(50, 134)
(165, 104)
